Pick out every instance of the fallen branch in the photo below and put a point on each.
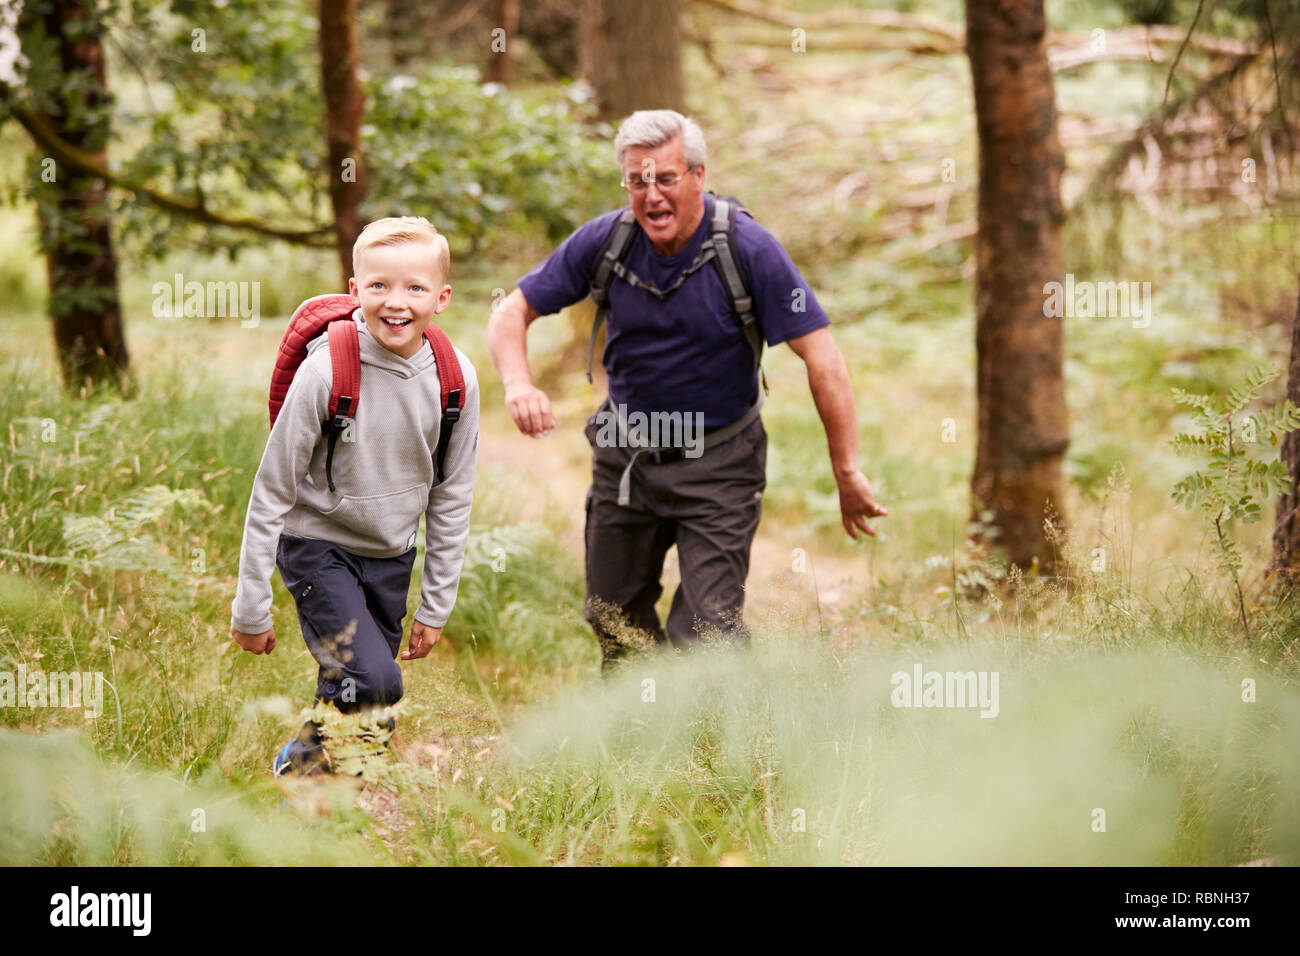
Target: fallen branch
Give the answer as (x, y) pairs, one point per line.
(1162, 36)
(1154, 128)
(952, 233)
(883, 19)
(1126, 43)
(856, 43)
(1060, 57)
(1065, 52)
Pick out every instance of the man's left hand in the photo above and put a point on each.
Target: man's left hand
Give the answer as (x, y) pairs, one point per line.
(423, 637)
(857, 504)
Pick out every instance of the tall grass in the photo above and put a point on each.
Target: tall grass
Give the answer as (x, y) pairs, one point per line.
(790, 754)
(120, 526)
(61, 805)
(119, 555)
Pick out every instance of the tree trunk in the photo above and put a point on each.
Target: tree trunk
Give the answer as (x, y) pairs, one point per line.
(632, 55)
(1286, 525)
(344, 109)
(553, 31)
(72, 207)
(1023, 431)
(504, 15)
(407, 30)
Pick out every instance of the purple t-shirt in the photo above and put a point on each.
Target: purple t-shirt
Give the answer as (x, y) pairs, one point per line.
(686, 353)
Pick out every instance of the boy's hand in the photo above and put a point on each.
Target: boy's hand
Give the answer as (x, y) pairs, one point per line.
(263, 643)
(423, 637)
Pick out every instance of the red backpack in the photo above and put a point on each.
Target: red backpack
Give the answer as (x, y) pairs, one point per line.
(333, 315)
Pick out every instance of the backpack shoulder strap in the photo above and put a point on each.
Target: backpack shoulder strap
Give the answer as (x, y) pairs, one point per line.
(611, 251)
(331, 314)
(345, 362)
(451, 382)
(721, 229)
(345, 386)
(308, 321)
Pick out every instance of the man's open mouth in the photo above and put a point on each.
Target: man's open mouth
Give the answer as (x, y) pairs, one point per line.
(395, 323)
(659, 218)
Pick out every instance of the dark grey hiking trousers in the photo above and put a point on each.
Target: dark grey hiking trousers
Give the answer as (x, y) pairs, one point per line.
(351, 609)
(709, 507)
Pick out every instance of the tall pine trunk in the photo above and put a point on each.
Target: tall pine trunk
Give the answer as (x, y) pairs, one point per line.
(632, 55)
(1023, 431)
(344, 109)
(72, 207)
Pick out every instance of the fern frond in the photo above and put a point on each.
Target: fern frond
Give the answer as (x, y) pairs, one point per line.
(1191, 490)
(1276, 420)
(1209, 406)
(1239, 396)
(1185, 443)
(117, 539)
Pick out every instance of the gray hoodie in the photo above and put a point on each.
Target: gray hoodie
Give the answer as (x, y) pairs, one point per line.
(385, 477)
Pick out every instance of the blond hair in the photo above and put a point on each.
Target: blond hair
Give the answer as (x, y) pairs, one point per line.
(398, 229)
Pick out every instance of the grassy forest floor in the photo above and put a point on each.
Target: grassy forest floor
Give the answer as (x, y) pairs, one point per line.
(1123, 734)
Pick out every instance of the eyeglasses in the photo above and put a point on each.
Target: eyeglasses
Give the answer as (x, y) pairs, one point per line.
(666, 183)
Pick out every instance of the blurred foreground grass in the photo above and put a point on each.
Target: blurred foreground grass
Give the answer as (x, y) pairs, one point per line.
(785, 754)
(119, 554)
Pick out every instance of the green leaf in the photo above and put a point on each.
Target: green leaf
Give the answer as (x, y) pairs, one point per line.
(1245, 393)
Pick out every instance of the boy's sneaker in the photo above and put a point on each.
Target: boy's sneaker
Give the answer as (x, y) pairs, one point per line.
(305, 763)
(282, 764)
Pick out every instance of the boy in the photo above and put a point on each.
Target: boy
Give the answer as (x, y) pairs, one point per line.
(346, 555)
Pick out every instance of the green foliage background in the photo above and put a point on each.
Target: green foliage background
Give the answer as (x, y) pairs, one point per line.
(120, 526)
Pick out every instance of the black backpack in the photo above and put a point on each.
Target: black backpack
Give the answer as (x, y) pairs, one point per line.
(718, 248)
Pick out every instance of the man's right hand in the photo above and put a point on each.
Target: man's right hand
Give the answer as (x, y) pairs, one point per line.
(507, 341)
(530, 408)
(263, 643)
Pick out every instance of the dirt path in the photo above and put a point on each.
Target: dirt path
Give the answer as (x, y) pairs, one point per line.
(555, 472)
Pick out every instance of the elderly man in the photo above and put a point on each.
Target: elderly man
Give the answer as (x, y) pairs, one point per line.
(686, 284)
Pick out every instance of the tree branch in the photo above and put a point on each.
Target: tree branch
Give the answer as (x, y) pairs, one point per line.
(1200, 5)
(68, 155)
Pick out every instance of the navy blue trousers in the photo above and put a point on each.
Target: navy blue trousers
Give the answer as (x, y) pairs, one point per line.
(351, 609)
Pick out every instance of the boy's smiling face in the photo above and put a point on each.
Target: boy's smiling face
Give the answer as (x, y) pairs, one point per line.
(400, 288)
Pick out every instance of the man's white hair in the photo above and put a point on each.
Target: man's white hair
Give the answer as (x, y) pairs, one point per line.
(653, 128)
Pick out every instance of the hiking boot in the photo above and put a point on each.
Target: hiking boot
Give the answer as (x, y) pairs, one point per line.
(307, 760)
(614, 654)
(281, 764)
